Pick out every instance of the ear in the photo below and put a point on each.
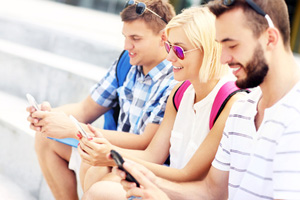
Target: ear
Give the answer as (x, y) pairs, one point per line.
(163, 36)
(273, 37)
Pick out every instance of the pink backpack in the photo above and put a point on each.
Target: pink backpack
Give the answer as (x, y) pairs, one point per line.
(224, 94)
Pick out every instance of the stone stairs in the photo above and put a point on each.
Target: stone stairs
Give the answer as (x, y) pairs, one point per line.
(56, 53)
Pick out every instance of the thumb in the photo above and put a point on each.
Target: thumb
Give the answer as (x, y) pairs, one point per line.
(45, 106)
(95, 132)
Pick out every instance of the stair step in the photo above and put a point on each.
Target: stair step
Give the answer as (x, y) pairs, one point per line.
(78, 33)
(46, 76)
(12, 191)
(18, 159)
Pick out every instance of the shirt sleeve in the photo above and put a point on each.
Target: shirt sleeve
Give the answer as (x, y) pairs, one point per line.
(105, 91)
(222, 158)
(287, 164)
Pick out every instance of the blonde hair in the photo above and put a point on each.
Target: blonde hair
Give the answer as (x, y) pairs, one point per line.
(198, 23)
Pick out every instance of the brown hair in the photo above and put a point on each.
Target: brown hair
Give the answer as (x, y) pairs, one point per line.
(161, 7)
(276, 9)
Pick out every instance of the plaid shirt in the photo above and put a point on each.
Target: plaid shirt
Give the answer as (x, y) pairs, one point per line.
(142, 98)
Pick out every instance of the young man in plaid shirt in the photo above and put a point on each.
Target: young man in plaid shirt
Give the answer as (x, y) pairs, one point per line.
(142, 99)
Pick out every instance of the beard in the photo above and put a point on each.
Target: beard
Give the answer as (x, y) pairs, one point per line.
(256, 70)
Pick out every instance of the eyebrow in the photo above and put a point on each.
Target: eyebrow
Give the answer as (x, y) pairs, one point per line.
(226, 40)
(177, 43)
(131, 35)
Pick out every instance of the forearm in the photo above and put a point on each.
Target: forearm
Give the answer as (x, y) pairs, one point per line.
(213, 187)
(188, 190)
(130, 140)
(74, 109)
(125, 139)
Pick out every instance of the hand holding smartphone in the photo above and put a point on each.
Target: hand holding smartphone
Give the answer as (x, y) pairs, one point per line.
(119, 161)
(79, 127)
(32, 101)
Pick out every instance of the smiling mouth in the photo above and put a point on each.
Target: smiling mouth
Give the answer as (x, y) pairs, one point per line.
(177, 67)
(235, 69)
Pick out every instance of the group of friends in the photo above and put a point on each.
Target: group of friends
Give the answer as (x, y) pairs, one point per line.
(249, 151)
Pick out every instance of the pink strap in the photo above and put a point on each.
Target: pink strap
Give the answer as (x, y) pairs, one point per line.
(223, 93)
(179, 93)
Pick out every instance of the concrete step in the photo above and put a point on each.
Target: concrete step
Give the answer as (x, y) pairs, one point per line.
(18, 161)
(46, 76)
(77, 33)
(12, 191)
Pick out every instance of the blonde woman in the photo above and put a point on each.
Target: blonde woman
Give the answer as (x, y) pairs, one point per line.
(184, 134)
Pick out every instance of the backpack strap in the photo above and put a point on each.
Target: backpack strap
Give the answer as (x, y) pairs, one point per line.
(121, 72)
(122, 69)
(224, 94)
(179, 93)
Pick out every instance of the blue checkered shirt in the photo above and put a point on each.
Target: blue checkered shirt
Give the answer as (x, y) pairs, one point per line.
(142, 98)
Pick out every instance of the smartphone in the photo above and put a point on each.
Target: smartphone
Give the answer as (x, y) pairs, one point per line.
(32, 101)
(119, 161)
(79, 127)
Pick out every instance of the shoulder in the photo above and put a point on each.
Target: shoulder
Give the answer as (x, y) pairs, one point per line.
(174, 90)
(247, 99)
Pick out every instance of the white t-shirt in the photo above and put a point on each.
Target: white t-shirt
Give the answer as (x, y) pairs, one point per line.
(262, 164)
(191, 125)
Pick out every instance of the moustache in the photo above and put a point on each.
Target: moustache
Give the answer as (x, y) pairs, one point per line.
(234, 64)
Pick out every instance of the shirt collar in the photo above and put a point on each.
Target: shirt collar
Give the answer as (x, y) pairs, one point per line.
(162, 69)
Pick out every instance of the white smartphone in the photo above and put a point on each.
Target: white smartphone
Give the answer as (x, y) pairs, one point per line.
(32, 101)
(79, 127)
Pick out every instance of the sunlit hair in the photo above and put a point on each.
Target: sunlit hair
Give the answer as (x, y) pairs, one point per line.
(162, 7)
(276, 9)
(198, 23)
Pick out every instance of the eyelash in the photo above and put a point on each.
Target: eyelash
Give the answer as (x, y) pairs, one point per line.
(135, 39)
(233, 46)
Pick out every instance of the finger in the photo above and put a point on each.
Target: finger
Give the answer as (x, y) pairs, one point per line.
(45, 106)
(30, 109)
(32, 120)
(85, 146)
(139, 172)
(127, 185)
(84, 156)
(39, 114)
(119, 172)
(35, 128)
(109, 157)
(78, 135)
(94, 131)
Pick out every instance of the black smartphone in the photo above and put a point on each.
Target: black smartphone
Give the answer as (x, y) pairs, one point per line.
(119, 161)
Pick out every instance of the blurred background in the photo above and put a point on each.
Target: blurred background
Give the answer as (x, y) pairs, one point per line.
(116, 6)
(56, 50)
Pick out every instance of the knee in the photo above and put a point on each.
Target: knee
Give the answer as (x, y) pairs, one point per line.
(105, 190)
(40, 144)
(92, 193)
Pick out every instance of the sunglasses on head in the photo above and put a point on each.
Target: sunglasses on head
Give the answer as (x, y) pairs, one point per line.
(141, 7)
(255, 7)
(179, 52)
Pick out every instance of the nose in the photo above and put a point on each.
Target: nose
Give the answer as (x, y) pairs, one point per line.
(225, 57)
(172, 56)
(127, 44)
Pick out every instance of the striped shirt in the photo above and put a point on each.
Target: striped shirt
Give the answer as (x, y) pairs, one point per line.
(262, 164)
(142, 98)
